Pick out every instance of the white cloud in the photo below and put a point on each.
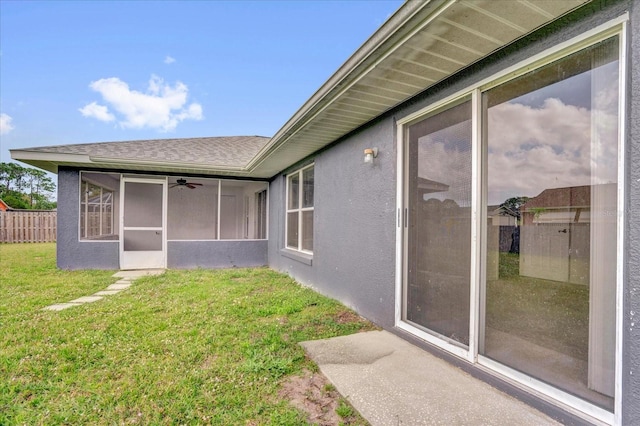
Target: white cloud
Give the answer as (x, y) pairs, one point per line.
(169, 60)
(161, 107)
(99, 112)
(5, 124)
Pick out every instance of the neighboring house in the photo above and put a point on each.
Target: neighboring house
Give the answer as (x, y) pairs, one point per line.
(376, 191)
(4, 206)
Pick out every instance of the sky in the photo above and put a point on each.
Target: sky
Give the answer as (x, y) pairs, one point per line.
(80, 72)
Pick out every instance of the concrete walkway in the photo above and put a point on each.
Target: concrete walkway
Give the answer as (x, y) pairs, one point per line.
(126, 278)
(391, 382)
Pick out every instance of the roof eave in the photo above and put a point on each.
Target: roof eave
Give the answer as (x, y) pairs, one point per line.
(383, 47)
(52, 161)
(384, 35)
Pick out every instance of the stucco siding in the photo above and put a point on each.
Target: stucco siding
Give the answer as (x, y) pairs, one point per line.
(354, 224)
(216, 254)
(631, 328)
(71, 252)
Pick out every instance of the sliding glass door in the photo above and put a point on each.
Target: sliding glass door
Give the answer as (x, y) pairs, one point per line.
(510, 240)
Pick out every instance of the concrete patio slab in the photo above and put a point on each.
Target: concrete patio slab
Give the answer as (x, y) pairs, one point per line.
(60, 306)
(391, 382)
(86, 299)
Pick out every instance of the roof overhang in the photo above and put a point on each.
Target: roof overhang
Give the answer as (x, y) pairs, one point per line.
(420, 45)
(53, 161)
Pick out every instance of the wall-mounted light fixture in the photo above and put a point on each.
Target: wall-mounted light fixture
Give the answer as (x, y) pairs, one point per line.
(370, 154)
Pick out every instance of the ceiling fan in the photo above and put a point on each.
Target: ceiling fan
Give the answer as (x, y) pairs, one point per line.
(183, 182)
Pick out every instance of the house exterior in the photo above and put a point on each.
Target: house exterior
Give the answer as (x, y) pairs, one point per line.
(381, 191)
(4, 206)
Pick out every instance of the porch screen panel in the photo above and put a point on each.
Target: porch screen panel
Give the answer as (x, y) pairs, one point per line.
(242, 210)
(192, 212)
(142, 209)
(144, 205)
(439, 231)
(551, 148)
(99, 195)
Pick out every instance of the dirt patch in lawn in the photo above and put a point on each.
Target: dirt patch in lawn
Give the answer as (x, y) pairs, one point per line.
(314, 395)
(348, 317)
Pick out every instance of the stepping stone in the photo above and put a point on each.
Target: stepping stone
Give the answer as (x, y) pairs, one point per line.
(138, 273)
(117, 286)
(60, 306)
(86, 299)
(107, 292)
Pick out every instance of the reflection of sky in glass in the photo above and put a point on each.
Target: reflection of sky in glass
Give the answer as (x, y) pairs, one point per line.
(564, 134)
(564, 90)
(445, 157)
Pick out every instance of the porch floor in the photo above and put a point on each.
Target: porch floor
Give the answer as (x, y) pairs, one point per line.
(391, 382)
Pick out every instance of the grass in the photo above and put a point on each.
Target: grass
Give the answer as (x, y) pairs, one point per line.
(344, 409)
(187, 347)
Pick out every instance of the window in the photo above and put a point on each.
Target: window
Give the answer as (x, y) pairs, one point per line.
(299, 227)
(98, 213)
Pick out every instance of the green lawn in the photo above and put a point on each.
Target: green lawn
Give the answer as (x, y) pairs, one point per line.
(186, 347)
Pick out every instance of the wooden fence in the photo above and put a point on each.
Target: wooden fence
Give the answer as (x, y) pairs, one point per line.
(28, 226)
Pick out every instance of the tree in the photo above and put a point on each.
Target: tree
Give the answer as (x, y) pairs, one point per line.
(26, 188)
(39, 185)
(513, 204)
(12, 176)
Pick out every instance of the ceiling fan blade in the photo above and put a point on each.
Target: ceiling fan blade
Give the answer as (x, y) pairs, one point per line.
(175, 184)
(189, 185)
(194, 183)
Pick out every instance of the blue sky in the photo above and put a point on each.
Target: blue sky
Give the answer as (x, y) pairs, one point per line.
(77, 72)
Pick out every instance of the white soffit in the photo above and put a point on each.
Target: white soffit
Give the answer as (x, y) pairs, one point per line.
(420, 45)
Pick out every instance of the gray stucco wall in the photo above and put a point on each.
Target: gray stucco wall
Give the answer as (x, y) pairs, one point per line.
(354, 225)
(216, 254)
(631, 337)
(73, 253)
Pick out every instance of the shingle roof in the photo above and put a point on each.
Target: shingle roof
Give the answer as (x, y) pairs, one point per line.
(227, 151)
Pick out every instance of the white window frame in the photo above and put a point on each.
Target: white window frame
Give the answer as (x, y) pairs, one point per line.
(573, 404)
(299, 210)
